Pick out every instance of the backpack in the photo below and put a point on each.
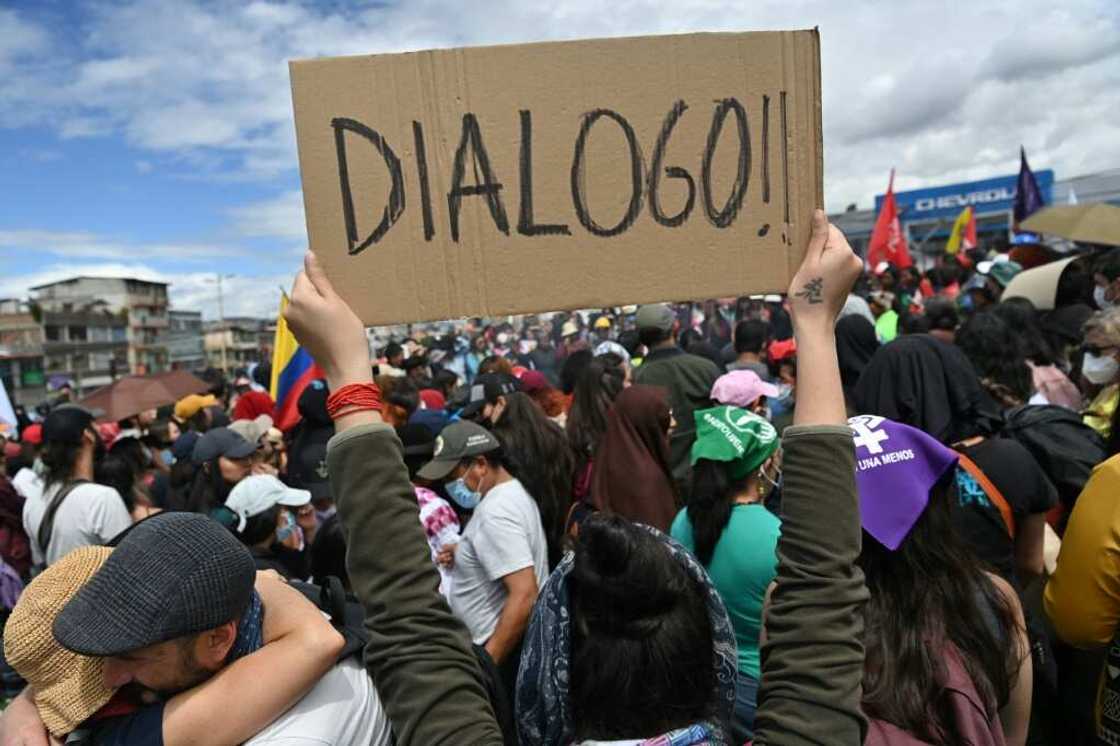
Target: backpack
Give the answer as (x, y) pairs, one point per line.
(1063, 445)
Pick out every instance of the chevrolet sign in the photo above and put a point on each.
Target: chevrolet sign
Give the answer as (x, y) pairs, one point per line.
(987, 196)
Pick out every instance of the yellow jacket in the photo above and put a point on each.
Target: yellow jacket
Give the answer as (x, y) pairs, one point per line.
(1099, 414)
(1082, 597)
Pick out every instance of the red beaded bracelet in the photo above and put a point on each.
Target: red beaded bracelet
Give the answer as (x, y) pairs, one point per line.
(354, 397)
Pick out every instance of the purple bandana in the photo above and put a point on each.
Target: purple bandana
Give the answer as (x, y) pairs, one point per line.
(896, 465)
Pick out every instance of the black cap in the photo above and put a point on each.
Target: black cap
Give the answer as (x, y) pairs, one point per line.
(458, 441)
(221, 441)
(184, 445)
(307, 469)
(67, 424)
(486, 389)
(173, 575)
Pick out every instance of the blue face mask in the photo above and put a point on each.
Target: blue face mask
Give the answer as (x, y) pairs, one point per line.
(464, 496)
(289, 527)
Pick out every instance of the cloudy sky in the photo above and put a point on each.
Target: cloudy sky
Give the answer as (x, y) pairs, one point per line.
(155, 138)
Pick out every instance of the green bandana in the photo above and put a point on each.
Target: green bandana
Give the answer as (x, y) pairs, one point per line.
(734, 435)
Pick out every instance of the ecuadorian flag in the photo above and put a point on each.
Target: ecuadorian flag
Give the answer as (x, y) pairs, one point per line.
(292, 370)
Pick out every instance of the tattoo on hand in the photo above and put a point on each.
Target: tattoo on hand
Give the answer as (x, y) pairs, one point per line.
(812, 290)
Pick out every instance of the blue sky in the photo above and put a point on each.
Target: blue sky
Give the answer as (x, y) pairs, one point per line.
(155, 138)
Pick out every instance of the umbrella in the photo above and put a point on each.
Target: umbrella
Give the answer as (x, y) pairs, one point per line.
(1038, 285)
(132, 395)
(1096, 222)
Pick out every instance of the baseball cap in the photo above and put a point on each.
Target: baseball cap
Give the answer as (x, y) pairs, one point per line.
(486, 389)
(1004, 272)
(184, 445)
(256, 494)
(458, 441)
(67, 423)
(733, 435)
(569, 328)
(603, 322)
(172, 575)
(189, 406)
(308, 468)
(69, 688)
(252, 430)
(741, 388)
(614, 348)
(32, 434)
(655, 316)
(221, 441)
(896, 466)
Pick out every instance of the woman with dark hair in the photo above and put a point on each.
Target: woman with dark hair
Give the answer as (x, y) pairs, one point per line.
(856, 343)
(572, 370)
(538, 454)
(997, 356)
(1003, 494)
(631, 476)
(731, 532)
(598, 387)
(948, 657)
(223, 458)
(1051, 385)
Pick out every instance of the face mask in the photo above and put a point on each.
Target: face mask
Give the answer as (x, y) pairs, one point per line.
(284, 532)
(167, 457)
(1099, 298)
(1099, 370)
(464, 496)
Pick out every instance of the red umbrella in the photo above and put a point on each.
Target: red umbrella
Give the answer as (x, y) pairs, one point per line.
(132, 395)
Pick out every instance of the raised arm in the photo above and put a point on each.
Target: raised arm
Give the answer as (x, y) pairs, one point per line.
(812, 660)
(419, 654)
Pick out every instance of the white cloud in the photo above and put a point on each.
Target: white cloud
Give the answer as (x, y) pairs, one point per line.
(281, 217)
(84, 245)
(938, 94)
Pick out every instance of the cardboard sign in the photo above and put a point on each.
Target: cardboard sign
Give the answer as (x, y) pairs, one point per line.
(501, 180)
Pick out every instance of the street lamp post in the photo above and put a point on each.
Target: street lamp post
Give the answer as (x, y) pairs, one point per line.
(222, 318)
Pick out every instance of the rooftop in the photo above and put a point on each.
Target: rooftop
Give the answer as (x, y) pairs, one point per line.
(69, 280)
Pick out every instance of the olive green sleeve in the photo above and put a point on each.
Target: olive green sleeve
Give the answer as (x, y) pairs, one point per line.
(419, 655)
(812, 662)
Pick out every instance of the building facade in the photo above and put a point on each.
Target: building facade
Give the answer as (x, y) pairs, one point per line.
(140, 303)
(236, 343)
(186, 348)
(21, 353)
(88, 347)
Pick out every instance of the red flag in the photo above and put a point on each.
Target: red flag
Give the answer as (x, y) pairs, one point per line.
(888, 242)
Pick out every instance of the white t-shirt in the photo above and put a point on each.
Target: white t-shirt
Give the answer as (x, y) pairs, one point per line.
(342, 709)
(91, 515)
(28, 483)
(504, 535)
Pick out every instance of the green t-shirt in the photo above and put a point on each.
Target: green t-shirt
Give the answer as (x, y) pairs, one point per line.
(743, 565)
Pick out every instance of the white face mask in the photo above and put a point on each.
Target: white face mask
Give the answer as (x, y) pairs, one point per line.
(1099, 370)
(1099, 298)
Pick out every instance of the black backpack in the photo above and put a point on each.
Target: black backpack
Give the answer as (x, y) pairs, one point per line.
(1063, 445)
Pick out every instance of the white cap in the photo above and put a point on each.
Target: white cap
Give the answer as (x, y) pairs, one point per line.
(254, 495)
(772, 298)
(252, 430)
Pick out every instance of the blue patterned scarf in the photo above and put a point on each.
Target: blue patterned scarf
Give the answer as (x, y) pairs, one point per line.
(543, 711)
(250, 630)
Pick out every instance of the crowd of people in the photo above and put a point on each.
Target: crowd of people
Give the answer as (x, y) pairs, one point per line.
(879, 509)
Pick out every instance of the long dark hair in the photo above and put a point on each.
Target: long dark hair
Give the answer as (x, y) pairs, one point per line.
(595, 392)
(209, 489)
(990, 344)
(709, 508)
(537, 453)
(927, 594)
(641, 636)
(1021, 318)
(59, 459)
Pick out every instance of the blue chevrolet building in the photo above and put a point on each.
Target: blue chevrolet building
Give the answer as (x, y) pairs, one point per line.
(927, 215)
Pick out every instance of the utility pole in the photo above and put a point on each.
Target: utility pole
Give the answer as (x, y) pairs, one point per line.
(221, 323)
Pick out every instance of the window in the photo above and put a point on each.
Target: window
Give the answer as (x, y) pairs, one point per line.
(120, 334)
(100, 360)
(53, 333)
(99, 334)
(77, 334)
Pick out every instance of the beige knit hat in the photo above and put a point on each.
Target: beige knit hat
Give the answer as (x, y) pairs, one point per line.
(69, 688)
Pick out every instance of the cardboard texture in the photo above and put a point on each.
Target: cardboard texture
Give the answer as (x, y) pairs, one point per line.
(501, 180)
